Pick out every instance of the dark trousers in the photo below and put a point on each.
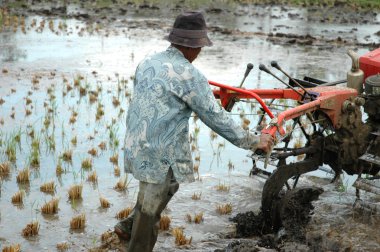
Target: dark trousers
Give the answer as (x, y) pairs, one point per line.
(151, 201)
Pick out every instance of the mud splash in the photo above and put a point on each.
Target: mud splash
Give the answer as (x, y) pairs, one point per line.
(292, 213)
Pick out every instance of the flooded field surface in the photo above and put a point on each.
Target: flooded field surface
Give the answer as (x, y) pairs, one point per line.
(66, 75)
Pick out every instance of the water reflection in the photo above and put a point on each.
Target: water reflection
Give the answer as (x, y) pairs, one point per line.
(9, 51)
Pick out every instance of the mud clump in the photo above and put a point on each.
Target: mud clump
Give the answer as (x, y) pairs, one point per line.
(291, 214)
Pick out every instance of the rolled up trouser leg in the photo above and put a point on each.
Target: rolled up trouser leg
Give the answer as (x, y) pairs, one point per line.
(145, 223)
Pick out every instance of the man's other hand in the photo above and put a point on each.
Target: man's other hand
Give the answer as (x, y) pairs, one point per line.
(266, 143)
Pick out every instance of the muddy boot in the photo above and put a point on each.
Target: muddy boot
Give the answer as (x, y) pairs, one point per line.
(144, 233)
(123, 228)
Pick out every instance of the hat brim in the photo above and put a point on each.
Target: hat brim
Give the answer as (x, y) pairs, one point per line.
(189, 42)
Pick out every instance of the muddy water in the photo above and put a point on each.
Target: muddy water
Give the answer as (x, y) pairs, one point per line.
(40, 65)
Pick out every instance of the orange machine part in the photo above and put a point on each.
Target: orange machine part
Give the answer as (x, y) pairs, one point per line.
(370, 63)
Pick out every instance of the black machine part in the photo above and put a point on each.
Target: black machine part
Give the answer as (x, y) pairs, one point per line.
(372, 95)
(372, 85)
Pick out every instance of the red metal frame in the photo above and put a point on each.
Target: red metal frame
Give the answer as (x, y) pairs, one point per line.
(327, 99)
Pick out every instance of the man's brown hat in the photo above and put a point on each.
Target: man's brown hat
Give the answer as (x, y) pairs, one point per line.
(189, 30)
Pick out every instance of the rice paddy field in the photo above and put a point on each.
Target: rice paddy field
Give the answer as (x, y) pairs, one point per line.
(65, 86)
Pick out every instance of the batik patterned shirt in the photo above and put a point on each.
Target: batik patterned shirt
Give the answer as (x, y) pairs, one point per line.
(167, 89)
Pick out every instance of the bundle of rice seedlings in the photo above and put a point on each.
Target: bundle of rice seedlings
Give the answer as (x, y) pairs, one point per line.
(196, 196)
(87, 163)
(93, 152)
(48, 187)
(224, 209)
(121, 185)
(50, 207)
(180, 238)
(116, 171)
(165, 222)
(102, 146)
(124, 213)
(75, 192)
(105, 236)
(31, 229)
(67, 156)
(62, 246)
(59, 170)
(78, 222)
(18, 197)
(23, 176)
(92, 177)
(5, 168)
(12, 248)
(104, 202)
(114, 159)
(198, 218)
(222, 188)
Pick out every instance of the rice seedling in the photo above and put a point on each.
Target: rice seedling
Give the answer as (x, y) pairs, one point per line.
(213, 135)
(82, 91)
(180, 238)
(50, 207)
(193, 147)
(72, 120)
(224, 209)
(28, 112)
(245, 123)
(74, 140)
(23, 176)
(188, 218)
(59, 169)
(34, 158)
(10, 150)
(62, 246)
(86, 163)
(1, 101)
(104, 203)
(13, 115)
(124, 213)
(75, 192)
(121, 185)
(99, 111)
(222, 187)
(31, 229)
(115, 101)
(78, 222)
(12, 248)
(198, 218)
(230, 165)
(67, 155)
(196, 196)
(102, 145)
(48, 187)
(105, 236)
(116, 171)
(114, 159)
(93, 152)
(164, 222)
(5, 168)
(18, 197)
(92, 177)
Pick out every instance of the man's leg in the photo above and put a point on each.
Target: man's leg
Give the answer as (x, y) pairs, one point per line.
(145, 223)
(123, 228)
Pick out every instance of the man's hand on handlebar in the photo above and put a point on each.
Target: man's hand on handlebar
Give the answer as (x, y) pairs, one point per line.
(265, 145)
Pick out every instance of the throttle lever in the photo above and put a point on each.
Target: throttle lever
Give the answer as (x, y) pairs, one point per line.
(232, 101)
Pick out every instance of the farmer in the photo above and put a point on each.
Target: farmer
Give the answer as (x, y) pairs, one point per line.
(167, 89)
